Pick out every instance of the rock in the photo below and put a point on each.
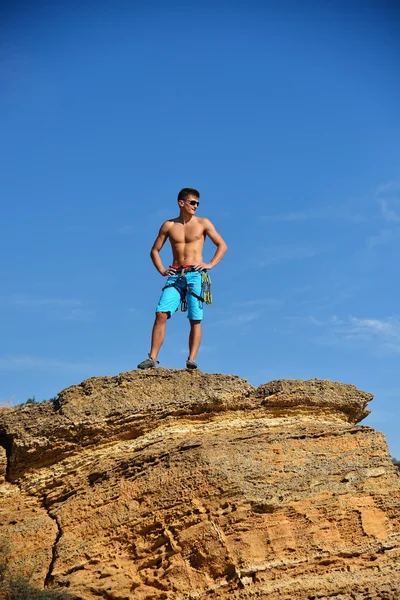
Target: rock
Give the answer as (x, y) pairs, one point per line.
(3, 465)
(325, 396)
(176, 485)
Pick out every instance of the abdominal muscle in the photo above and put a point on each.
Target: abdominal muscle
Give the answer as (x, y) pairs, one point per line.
(187, 253)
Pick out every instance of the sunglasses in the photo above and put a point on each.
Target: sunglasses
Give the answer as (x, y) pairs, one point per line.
(193, 202)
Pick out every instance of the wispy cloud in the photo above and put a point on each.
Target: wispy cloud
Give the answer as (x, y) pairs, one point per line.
(102, 229)
(390, 187)
(388, 212)
(12, 362)
(22, 300)
(388, 197)
(246, 311)
(159, 215)
(240, 319)
(375, 326)
(67, 309)
(285, 252)
(383, 333)
(292, 216)
(258, 302)
(312, 215)
(381, 417)
(127, 229)
(357, 210)
(336, 296)
(78, 314)
(305, 320)
(315, 321)
(204, 349)
(385, 236)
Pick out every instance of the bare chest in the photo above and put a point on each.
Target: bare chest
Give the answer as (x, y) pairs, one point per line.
(191, 232)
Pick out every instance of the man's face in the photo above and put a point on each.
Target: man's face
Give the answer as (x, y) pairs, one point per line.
(190, 204)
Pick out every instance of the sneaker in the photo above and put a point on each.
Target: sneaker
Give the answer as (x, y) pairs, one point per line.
(190, 364)
(149, 363)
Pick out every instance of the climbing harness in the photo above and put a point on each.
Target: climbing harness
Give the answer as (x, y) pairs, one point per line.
(185, 288)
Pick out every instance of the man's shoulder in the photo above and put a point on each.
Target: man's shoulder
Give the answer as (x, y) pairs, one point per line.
(168, 224)
(204, 221)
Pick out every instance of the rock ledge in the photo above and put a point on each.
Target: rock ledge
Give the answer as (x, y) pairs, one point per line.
(179, 485)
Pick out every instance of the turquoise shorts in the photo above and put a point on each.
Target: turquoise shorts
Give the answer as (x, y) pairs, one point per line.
(171, 298)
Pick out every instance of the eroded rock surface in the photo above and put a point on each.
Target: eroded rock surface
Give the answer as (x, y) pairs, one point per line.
(179, 485)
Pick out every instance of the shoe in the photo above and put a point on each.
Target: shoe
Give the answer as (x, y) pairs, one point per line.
(149, 363)
(190, 364)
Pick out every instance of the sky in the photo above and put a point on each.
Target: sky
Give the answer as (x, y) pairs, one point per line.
(284, 115)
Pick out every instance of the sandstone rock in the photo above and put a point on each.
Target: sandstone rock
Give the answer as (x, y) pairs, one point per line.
(3, 465)
(177, 485)
(326, 396)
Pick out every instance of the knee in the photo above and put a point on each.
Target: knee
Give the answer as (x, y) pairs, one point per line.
(161, 317)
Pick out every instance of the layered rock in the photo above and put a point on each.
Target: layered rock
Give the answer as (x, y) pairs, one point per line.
(176, 485)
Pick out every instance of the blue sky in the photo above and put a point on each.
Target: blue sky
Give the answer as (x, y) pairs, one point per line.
(284, 115)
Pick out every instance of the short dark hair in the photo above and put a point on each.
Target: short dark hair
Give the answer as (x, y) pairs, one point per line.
(186, 192)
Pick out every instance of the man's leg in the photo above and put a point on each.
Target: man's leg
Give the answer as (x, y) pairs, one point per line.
(194, 339)
(195, 314)
(158, 334)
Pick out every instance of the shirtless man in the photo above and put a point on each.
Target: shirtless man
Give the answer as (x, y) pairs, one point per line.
(186, 234)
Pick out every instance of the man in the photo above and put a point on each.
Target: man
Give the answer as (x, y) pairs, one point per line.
(186, 234)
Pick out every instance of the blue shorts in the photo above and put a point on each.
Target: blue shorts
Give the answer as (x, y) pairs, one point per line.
(171, 298)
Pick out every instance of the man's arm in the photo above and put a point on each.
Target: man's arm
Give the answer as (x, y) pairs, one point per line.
(218, 241)
(158, 244)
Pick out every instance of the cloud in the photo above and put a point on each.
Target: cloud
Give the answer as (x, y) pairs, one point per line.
(204, 349)
(22, 300)
(389, 187)
(68, 309)
(388, 197)
(336, 319)
(331, 214)
(335, 297)
(240, 319)
(293, 216)
(285, 252)
(382, 333)
(78, 314)
(374, 326)
(389, 214)
(308, 319)
(127, 229)
(102, 229)
(385, 236)
(381, 417)
(393, 347)
(246, 311)
(258, 302)
(315, 321)
(159, 215)
(352, 211)
(34, 363)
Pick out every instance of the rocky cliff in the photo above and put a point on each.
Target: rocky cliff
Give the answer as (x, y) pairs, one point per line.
(181, 485)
